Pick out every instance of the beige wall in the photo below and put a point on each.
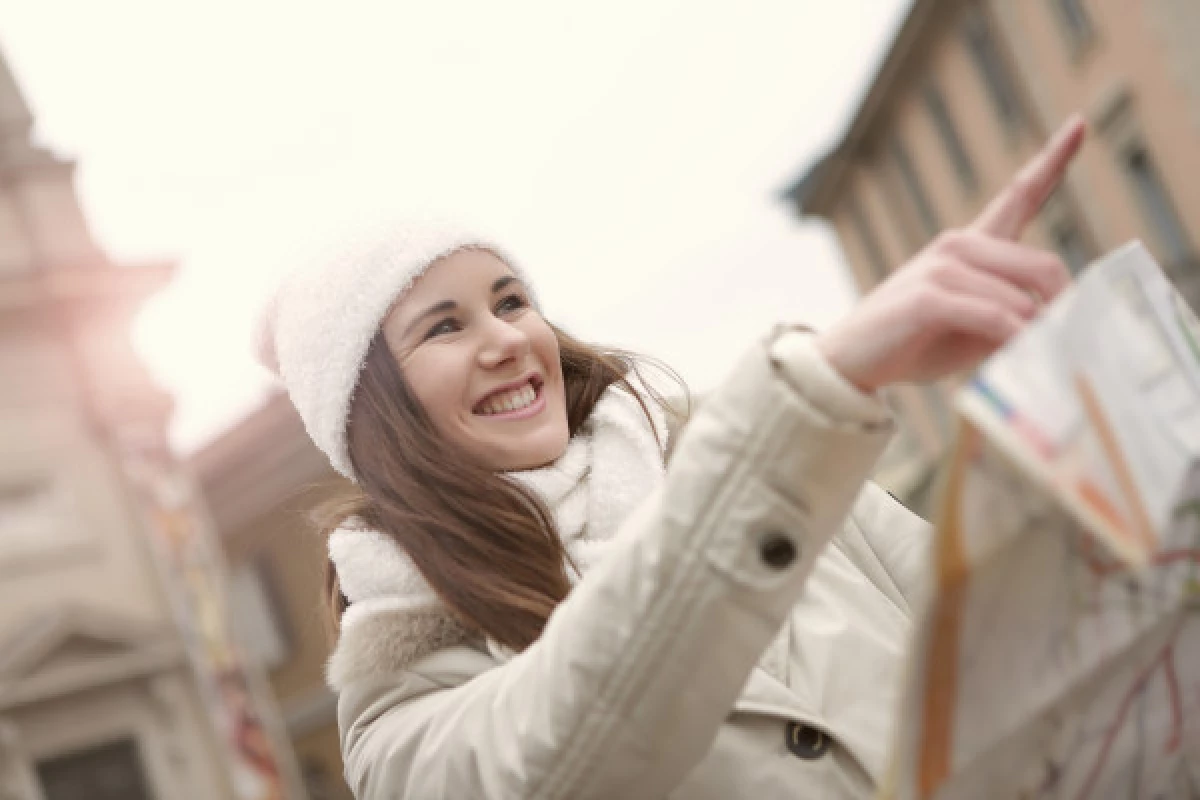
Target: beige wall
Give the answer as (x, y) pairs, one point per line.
(285, 544)
(102, 560)
(1130, 53)
(76, 571)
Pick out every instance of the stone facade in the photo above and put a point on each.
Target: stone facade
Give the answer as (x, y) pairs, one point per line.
(1177, 24)
(98, 696)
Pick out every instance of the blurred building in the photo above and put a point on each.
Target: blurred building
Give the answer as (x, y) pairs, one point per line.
(261, 479)
(967, 92)
(116, 681)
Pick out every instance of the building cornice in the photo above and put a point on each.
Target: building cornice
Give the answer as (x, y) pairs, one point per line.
(811, 193)
(126, 650)
(86, 284)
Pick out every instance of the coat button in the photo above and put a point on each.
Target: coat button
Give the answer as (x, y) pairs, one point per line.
(777, 550)
(806, 741)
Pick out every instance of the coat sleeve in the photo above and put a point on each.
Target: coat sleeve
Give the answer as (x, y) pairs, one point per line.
(901, 541)
(637, 669)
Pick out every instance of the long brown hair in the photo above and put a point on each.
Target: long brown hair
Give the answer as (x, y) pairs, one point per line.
(487, 547)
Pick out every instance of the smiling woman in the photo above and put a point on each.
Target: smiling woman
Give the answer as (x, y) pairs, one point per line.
(529, 603)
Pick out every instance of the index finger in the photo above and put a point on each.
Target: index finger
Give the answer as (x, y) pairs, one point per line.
(1008, 214)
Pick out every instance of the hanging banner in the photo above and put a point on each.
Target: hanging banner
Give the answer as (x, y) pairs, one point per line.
(193, 577)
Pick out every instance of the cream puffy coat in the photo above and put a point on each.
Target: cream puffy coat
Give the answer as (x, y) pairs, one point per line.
(745, 638)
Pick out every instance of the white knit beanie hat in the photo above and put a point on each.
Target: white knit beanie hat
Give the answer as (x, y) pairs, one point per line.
(319, 321)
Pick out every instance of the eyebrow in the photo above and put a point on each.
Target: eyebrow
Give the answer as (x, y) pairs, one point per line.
(503, 282)
(450, 305)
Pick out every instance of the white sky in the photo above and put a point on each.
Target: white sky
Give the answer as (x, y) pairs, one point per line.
(628, 153)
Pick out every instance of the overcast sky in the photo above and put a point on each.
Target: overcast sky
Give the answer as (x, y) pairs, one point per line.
(628, 153)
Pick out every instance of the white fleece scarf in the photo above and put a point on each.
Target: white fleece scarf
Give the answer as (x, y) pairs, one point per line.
(609, 466)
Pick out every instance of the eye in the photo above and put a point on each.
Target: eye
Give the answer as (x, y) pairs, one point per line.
(448, 325)
(512, 302)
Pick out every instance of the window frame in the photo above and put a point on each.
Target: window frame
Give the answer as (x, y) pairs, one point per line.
(1118, 123)
(952, 141)
(122, 745)
(1079, 40)
(255, 597)
(919, 202)
(877, 263)
(994, 71)
(1057, 213)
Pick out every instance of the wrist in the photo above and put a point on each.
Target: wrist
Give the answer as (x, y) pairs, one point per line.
(809, 371)
(828, 346)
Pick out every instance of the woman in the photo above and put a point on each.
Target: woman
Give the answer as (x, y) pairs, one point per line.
(530, 605)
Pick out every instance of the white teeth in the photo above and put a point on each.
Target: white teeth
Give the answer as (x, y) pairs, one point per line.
(512, 401)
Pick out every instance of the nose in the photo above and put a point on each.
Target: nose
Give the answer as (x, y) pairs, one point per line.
(502, 342)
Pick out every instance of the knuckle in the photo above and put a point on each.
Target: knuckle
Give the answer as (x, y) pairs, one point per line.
(950, 241)
(1053, 270)
(922, 296)
(942, 270)
(1061, 269)
(929, 299)
(989, 319)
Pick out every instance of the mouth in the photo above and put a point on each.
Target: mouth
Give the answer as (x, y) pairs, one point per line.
(517, 400)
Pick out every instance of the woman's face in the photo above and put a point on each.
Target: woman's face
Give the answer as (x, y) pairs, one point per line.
(481, 361)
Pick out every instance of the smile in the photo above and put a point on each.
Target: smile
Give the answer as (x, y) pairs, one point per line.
(514, 402)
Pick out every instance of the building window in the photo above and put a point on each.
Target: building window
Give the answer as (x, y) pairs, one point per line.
(1066, 234)
(1117, 121)
(993, 70)
(257, 617)
(317, 779)
(876, 260)
(915, 192)
(1154, 201)
(935, 103)
(109, 772)
(1076, 23)
(1071, 245)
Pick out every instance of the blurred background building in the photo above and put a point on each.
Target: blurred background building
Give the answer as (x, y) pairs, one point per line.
(261, 479)
(965, 95)
(119, 679)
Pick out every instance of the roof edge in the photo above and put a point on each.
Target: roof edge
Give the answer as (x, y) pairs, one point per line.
(807, 194)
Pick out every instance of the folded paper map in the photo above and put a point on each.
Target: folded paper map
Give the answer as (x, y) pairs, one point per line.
(1060, 654)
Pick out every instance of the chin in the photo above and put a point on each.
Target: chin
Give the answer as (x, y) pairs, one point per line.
(532, 455)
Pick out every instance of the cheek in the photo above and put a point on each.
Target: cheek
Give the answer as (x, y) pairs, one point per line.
(545, 346)
(438, 379)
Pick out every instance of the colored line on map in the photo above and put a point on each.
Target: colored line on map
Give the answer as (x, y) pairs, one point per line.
(1176, 736)
(1103, 568)
(1020, 424)
(1164, 658)
(1141, 529)
(1089, 493)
